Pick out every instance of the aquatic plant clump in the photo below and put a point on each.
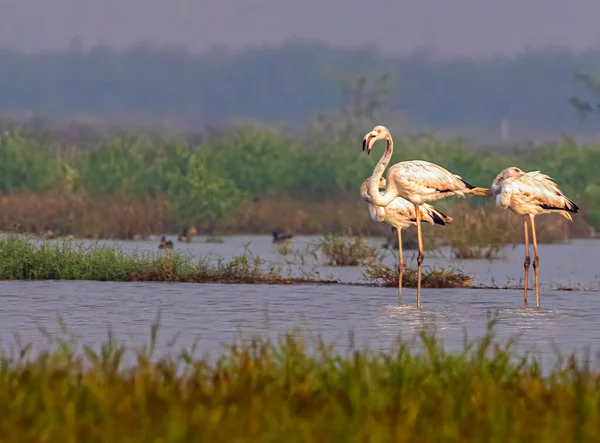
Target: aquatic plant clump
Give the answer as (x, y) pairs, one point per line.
(432, 278)
(347, 251)
(22, 258)
(298, 391)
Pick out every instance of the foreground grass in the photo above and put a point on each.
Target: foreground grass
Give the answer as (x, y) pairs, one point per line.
(297, 391)
(22, 258)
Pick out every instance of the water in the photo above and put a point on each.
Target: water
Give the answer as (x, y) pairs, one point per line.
(217, 314)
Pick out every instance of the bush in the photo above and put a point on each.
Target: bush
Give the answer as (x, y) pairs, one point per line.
(252, 164)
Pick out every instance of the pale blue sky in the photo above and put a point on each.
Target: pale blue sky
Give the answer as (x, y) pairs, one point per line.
(449, 27)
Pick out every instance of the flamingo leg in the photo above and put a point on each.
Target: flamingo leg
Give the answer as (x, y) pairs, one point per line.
(536, 262)
(400, 265)
(420, 256)
(526, 263)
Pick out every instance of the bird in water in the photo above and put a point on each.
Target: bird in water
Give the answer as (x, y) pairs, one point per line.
(400, 214)
(51, 234)
(187, 234)
(164, 244)
(530, 194)
(417, 181)
(279, 236)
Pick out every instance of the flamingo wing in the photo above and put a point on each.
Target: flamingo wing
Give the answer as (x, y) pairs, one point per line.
(432, 176)
(541, 190)
(402, 207)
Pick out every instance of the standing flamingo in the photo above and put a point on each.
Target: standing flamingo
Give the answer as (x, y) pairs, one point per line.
(400, 214)
(530, 194)
(417, 181)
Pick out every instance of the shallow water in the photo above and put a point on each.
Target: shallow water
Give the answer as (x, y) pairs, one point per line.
(574, 264)
(217, 314)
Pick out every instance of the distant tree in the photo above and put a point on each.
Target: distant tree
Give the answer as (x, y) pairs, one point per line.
(202, 196)
(366, 101)
(586, 107)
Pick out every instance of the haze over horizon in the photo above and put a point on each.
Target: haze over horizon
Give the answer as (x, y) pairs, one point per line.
(447, 28)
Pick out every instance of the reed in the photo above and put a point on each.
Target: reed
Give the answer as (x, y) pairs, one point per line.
(483, 232)
(380, 275)
(347, 250)
(471, 234)
(83, 216)
(297, 390)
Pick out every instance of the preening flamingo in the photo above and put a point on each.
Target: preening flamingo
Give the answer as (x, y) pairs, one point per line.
(417, 181)
(400, 214)
(531, 194)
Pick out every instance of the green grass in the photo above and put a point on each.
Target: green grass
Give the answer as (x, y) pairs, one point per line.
(22, 258)
(281, 391)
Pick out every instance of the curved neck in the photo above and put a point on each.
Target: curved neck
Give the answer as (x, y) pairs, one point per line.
(389, 194)
(364, 191)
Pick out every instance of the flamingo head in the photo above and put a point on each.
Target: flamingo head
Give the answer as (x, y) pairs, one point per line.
(379, 132)
(511, 172)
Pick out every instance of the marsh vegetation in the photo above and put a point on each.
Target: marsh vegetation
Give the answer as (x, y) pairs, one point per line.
(251, 180)
(24, 258)
(297, 389)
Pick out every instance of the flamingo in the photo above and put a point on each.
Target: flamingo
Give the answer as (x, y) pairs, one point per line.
(417, 181)
(400, 214)
(530, 194)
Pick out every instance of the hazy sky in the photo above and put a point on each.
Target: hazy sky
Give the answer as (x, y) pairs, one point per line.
(449, 27)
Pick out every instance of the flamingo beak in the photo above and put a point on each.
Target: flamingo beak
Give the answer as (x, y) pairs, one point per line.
(367, 142)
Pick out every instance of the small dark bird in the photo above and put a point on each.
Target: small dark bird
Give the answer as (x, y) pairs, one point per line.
(164, 244)
(279, 236)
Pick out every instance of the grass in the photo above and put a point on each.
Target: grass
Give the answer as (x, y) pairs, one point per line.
(432, 278)
(410, 239)
(347, 251)
(297, 390)
(214, 239)
(22, 258)
(481, 233)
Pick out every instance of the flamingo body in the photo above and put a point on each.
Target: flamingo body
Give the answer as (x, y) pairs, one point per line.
(530, 194)
(401, 213)
(420, 181)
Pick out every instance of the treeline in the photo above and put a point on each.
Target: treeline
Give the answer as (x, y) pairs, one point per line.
(206, 183)
(294, 83)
